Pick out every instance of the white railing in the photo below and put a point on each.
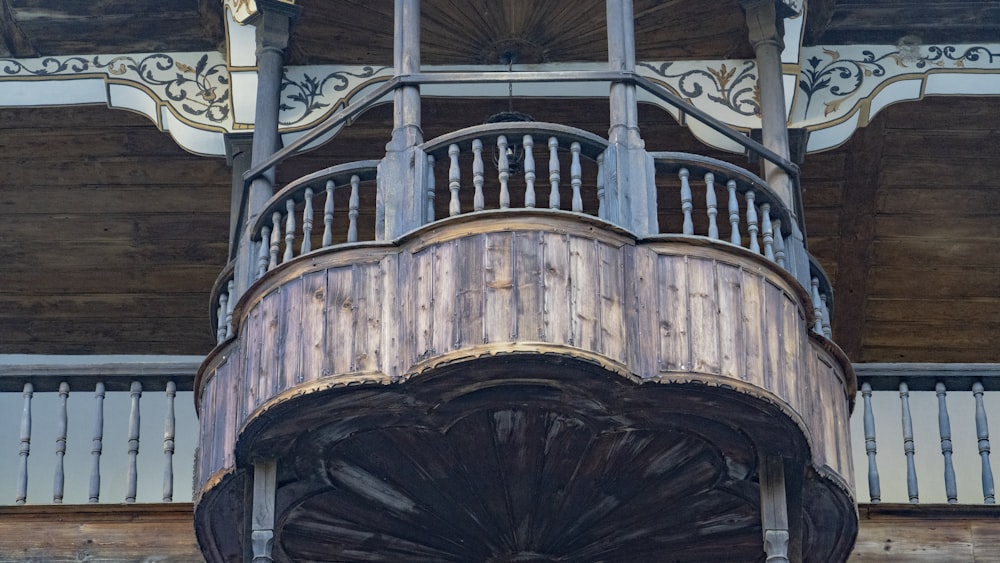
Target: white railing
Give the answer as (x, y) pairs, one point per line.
(921, 432)
(73, 425)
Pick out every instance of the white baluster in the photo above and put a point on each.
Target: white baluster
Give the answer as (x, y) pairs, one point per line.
(752, 222)
(430, 186)
(262, 252)
(307, 222)
(131, 478)
(713, 206)
(817, 304)
(477, 175)
(289, 230)
(231, 302)
(454, 207)
(911, 468)
(168, 444)
(328, 215)
(734, 214)
(779, 243)
(275, 239)
(944, 428)
(686, 205)
(983, 435)
(25, 449)
(874, 490)
(554, 173)
(352, 209)
(503, 168)
(97, 444)
(529, 171)
(576, 177)
(59, 479)
(768, 234)
(827, 329)
(601, 208)
(220, 318)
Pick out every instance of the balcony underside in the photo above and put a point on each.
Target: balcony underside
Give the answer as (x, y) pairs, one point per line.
(525, 387)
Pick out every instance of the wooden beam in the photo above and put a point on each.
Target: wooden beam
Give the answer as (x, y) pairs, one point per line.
(116, 371)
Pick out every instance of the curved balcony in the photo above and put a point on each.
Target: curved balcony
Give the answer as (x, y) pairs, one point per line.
(518, 383)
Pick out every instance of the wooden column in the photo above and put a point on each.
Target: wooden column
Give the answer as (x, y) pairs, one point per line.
(402, 172)
(273, 24)
(630, 190)
(774, 509)
(766, 37)
(238, 155)
(262, 515)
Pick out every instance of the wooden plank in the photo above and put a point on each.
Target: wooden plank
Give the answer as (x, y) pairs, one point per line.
(928, 202)
(704, 318)
(368, 338)
(957, 311)
(141, 229)
(445, 309)
(468, 329)
(934, 283)
(178, 170)
(313, 325)
(423, 264)
(731, 313)
(613, 335)
(499, 324)
(772, 323)
(584, 288)
(528, 286)
(339, 343)
(754, 324)
(556, 282)
(293, 336)
(673, 313)
(105, 305)
(98, 199)
(857, 231)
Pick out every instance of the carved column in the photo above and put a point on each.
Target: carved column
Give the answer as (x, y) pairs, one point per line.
(273, 24)
(262, 517)
(402, 172)
(629, 180)
(766, 38)
(774, 509)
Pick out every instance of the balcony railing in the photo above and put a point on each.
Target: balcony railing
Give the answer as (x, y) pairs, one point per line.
(78, 422)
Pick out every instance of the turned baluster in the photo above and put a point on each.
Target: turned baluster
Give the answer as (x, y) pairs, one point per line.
(752, 222)
(874, 489)
(944, 427)
(601, 209)
(817, 304)
(713, 206)
(454, 207)
(230, 302)
(779, 243)
(734, 214)
(430, 186)
(827, 329)
(25, 449)
(275, 239)
(554, 173)
(131, 479)
(478, 200)
(328, 215)
(576, 177)
(983, 434)
(768, 233)
(911, 468)
(97, 444)
(503, 168)
(307, 222)
(686, 205)
(529, 171)
(352, 210)
(220, 333)
(289, 230)
(59, 479)
(262, 252)
(168, 444)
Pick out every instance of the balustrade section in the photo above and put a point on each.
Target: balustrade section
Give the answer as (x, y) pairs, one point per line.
(93, 411)
(910, 414)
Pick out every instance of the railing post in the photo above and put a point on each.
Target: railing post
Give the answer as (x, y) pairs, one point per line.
(983, 435)
(874, 489)
(765, 36)
(25, 449)
(402, 173)
(273, 27)
(629, 183)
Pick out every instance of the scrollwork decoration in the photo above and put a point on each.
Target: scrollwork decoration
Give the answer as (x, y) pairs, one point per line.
(301, 98)
(734, 87)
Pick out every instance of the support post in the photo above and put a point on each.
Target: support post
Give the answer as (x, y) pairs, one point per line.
(774, 508)
(273, 25)
(766, 37)
(402, 172)
(630, 188)
(262, 518)
(238, 155)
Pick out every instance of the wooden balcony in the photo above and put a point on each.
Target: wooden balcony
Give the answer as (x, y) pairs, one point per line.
(525, 384)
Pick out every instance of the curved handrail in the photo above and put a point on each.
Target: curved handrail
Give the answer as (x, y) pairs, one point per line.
(591, 145)
(822, 298)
